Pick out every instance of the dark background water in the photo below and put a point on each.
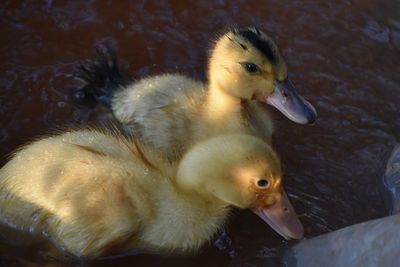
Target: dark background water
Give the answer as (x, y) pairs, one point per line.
(343, 56)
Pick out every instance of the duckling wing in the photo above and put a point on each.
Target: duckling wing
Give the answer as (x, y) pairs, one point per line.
(161, 110)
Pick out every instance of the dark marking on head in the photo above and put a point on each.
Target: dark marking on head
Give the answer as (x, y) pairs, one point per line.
(260, 41)
(243, 46)
(91, 150)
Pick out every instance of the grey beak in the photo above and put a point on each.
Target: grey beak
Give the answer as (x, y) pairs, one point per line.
(291, 104)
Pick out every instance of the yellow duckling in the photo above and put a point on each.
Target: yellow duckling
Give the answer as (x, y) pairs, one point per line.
(94, 194)
(170, 111)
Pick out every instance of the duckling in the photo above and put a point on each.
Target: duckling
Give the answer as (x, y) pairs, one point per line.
(94, 193)
(170, 111)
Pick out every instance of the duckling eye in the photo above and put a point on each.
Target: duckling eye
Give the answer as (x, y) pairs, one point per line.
(262, 183)
(251, 67)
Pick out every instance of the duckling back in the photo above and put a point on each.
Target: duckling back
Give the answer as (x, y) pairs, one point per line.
(161, 110)
(93, 193)
(67, 188)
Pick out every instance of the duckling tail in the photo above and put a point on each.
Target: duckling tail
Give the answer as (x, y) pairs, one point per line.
(102, 77)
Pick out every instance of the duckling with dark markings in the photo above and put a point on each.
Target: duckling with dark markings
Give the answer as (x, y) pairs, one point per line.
(171, 111)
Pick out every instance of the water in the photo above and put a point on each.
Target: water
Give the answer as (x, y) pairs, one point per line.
(343, 56)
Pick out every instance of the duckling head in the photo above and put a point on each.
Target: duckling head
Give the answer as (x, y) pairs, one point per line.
(242, 171)
(246, 63)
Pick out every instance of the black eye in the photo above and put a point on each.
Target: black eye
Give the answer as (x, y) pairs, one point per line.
(251, 67)
(262, 182)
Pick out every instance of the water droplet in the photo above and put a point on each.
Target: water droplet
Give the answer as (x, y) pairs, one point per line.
(80, 95)
(61, 104)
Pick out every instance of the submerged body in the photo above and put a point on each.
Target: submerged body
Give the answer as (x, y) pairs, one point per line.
(94, 194)
(172, 111)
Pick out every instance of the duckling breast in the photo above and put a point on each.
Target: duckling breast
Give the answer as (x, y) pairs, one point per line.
(182, 224)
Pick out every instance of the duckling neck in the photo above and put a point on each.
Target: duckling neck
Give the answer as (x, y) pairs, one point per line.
(190, 220)
(221, 107)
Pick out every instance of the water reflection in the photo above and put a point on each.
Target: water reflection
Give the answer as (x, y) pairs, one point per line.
(343, 57)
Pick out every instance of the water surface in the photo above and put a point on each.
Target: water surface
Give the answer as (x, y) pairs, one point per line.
(343, 56)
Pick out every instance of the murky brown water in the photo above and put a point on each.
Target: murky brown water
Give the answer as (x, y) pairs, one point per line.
(343, 56)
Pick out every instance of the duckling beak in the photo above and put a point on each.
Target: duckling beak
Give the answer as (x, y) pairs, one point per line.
(291, 104)
(281, 217)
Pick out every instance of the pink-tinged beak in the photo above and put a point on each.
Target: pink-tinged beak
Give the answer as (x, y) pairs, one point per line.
(282, 217)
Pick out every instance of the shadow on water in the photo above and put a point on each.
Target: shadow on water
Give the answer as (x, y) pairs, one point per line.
(342, 57)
